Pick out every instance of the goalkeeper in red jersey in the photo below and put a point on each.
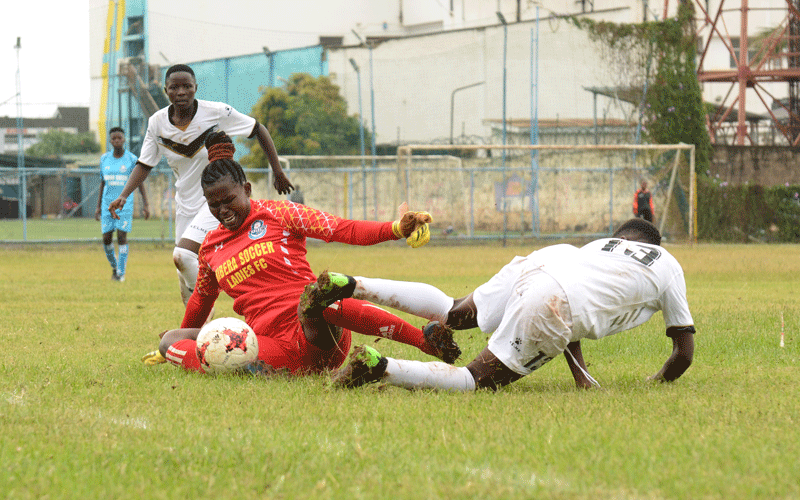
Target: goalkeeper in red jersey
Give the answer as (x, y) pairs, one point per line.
(257, 255)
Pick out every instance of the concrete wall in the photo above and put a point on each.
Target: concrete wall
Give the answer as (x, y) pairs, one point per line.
(762, 165)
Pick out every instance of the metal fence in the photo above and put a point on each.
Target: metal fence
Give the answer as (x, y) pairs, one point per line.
(573, 193)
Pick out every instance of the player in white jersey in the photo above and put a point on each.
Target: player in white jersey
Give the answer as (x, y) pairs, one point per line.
(115, 168)
(178, 133)
(537, 307)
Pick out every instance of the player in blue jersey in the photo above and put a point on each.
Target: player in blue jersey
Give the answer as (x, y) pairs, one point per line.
(115, 168)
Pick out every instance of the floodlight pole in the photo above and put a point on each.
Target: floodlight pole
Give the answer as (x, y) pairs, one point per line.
(452, 103)
(505, 187)
(372, 107)
(361, 137)
(23, 202)
(534, 128)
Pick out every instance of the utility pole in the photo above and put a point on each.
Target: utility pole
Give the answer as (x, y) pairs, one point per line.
(23, 181)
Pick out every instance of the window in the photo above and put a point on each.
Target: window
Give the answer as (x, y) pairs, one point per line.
(735, 40)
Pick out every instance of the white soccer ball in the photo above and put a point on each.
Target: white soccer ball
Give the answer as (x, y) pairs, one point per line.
(226, 345)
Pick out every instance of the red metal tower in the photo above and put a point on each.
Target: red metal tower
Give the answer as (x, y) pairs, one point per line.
(777, 60)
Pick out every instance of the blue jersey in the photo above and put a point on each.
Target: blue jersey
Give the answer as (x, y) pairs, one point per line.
(115, 172)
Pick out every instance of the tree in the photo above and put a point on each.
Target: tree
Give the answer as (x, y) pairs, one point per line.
(674, 109)
(307, 116)
(57, 142)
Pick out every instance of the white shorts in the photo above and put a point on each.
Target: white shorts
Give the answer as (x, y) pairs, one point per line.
(529, 314)
(195, 227)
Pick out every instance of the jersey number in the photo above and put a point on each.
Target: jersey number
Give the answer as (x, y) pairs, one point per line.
(644, 255)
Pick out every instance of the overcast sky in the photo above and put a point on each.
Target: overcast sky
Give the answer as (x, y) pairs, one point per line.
(54, 59)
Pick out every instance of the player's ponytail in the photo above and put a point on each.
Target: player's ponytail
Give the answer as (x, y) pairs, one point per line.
(221, 163)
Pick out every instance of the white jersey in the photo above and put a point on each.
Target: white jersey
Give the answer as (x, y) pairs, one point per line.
(185, 149)
(614, 285)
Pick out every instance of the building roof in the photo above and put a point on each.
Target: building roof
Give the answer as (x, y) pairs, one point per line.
(554, 123)
(10, 161)
(64, 117)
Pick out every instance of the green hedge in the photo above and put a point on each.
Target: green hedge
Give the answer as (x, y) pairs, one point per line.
(748, 213)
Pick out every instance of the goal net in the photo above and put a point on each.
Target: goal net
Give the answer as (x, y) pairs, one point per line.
(500, 192)
(550, 191)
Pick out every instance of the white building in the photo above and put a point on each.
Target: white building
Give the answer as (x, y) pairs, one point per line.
(434, 69)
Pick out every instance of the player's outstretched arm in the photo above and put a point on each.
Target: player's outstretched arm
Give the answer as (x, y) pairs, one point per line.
(577, 366)
(680, 359)
(100, 199)
(282, 183)
(145, 202)
(137, 177)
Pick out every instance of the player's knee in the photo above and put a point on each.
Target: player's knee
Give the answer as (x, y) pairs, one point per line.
(163, 345)
(323, 335)
(463, 315)
(491, 373)
(184, 259)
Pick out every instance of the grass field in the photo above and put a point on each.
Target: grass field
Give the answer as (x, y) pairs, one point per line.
(79, 228)
(81, 417)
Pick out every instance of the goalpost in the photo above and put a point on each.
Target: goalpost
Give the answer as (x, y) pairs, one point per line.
(498, 192)
(549, 191)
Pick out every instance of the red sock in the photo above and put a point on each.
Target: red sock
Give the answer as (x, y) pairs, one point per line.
(183, 353)
(368, 319)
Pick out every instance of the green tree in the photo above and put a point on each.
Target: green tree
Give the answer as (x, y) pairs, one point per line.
(57, 142)
(307, 116)
(675, 108)
(660, 55)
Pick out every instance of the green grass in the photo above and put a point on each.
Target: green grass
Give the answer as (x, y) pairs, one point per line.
(81, 417)
(80, 228)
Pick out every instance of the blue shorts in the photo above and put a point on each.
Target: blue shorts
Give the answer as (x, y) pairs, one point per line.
(109, 224)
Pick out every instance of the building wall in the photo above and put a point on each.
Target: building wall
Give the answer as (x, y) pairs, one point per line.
(447, 45)
(413, 78)
(760, 165)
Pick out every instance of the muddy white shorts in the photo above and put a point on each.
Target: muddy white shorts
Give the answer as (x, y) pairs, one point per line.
(195, 227)
(529, 314)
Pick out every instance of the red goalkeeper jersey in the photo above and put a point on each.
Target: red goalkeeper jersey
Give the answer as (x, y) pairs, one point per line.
(263, 265)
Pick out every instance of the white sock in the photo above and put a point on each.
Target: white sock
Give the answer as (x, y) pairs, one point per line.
(186, 292)
(186, 264)
(419, 299)
(431, 375)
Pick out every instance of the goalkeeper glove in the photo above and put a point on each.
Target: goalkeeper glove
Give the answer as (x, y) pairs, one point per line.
(413, 226)
(153, 358)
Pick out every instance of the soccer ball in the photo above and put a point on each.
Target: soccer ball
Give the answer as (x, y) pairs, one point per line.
(226, 345)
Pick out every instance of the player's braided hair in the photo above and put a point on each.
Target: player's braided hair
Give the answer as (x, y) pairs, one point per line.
(221, 163)
(639, 230)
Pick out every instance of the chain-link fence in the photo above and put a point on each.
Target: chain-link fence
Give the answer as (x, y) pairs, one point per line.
(559, 192)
